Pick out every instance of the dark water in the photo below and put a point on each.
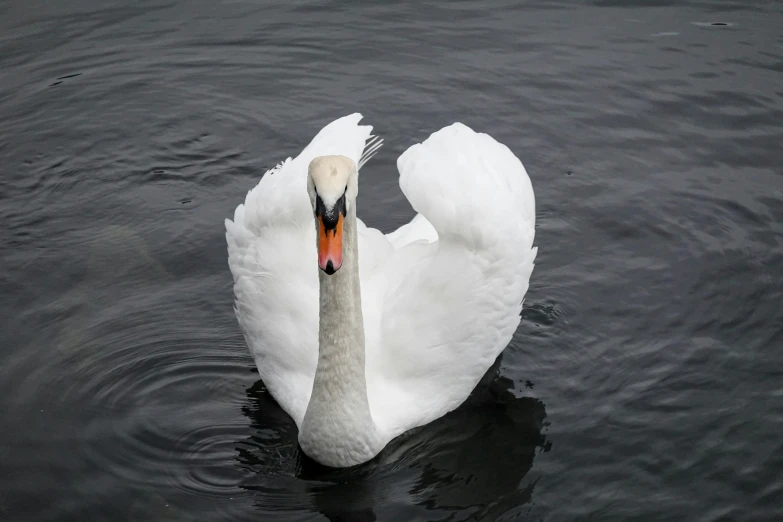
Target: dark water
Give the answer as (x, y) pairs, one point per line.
(645, 381)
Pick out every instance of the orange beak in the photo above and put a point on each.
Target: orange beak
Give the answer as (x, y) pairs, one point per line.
(330, 246)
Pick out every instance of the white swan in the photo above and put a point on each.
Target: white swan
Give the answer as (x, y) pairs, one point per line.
(394, 330)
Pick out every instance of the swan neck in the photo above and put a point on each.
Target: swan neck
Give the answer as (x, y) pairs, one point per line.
(338, 428)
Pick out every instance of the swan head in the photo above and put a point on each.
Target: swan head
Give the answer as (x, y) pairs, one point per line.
(332, 183)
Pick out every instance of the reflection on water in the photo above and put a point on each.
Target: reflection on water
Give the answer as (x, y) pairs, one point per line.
(473, 461)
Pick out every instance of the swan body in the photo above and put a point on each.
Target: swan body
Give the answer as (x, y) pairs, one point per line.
(393, 331)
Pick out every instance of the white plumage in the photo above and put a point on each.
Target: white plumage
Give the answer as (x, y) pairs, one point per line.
(440, 296)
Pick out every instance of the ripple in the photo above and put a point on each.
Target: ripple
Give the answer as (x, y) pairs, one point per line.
(541, 314)
(713, 24)
(162, 443)
(204, 452)
(171, 393)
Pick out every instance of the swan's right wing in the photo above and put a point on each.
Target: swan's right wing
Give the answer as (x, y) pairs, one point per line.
(272, 257)
(450, 306)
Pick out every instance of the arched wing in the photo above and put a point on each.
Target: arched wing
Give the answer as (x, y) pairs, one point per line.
(451, 305)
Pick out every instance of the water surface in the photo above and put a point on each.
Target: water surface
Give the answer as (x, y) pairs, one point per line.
(645, 381)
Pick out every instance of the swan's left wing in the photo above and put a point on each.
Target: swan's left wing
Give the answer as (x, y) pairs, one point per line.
(272, 256)
(453, 289)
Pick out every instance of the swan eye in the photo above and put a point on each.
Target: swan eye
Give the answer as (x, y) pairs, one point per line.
(320, 207)
(342, 205)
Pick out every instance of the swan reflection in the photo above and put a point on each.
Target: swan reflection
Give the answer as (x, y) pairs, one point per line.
(472, 461)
